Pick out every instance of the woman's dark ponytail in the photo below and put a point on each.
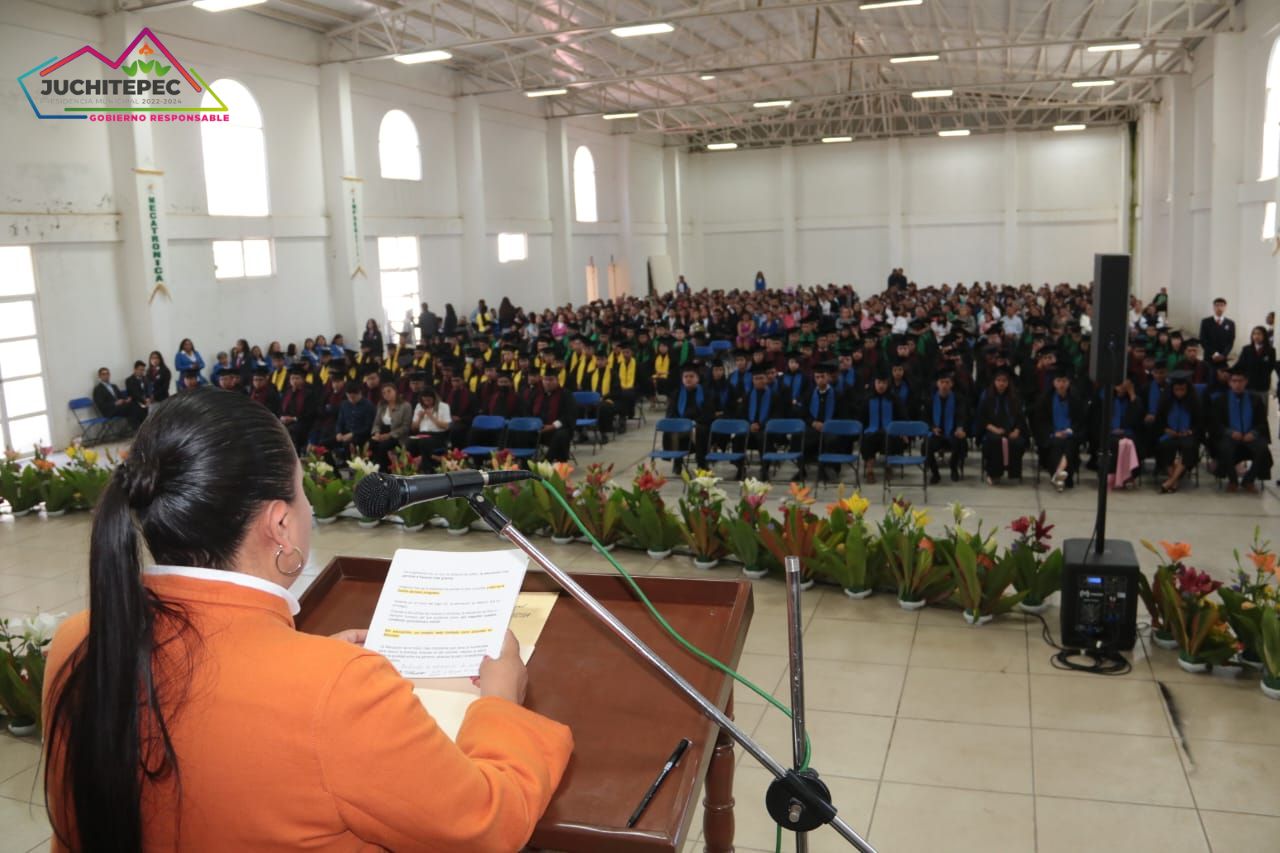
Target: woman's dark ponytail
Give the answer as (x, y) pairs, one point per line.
(199, 470)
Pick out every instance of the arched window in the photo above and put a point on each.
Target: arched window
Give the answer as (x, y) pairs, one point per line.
(235, 153)
(1271, 119)
(398, 147)
(584, 185)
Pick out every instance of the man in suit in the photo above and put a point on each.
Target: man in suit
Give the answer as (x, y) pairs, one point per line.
(114, 403)
(555, 408)
(1241, 433)
(1218, 333)
(947, 413)
(136, 385)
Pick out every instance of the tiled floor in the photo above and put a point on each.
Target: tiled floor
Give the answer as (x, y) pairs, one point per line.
(932, 735)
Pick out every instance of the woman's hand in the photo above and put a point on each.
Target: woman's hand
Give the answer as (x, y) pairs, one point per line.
(355, 636)
(505, 676)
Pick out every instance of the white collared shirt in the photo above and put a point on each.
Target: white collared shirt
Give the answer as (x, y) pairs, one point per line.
(223, 576)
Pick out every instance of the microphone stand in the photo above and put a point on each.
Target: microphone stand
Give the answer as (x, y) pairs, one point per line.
(796, 800)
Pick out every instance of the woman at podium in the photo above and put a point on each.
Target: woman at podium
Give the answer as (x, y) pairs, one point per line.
(185, 712)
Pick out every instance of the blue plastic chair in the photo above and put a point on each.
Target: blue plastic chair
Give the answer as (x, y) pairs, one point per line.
(588, 403)
(703, 353)
(97, 427)
(909, 430)
(728, 429)
(526, 429)
(721, 347)
(792, 429)
(850, 430)
(485, 423)
(675, 427)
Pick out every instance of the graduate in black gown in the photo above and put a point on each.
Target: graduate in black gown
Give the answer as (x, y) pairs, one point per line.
(947, 414)
(1003, 428)
(1181, 422)
(1061, 418)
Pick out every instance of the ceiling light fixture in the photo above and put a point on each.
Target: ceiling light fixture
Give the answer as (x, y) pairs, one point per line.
(953, 133)
(424, 56)
(1067, 128)
(919, 57)
(615, 116)
(888, 4)
(1089, 84)
(764, 105)
(932, 93)
(829, 139)
(1124, 45)
(545, 93)
(722, 146)
(641, 30)
(224, 5)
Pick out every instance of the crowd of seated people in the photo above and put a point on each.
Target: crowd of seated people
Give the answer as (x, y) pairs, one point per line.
(996, 371)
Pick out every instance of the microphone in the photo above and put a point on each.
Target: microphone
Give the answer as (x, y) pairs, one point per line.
(379, 494)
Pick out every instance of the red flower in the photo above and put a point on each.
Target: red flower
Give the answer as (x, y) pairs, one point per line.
(319, 450)
(1043, 530)
(1194, 583)
(1020, 526)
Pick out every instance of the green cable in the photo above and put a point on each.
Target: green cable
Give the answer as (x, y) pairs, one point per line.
(666, 626)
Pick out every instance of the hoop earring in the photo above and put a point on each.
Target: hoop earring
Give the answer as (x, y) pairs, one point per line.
(301, 562)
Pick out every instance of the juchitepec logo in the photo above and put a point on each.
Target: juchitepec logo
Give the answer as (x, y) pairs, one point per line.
(144, 83)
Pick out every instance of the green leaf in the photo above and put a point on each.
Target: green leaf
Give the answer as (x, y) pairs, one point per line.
(131, 69)
(162, 70)
(1270, 630)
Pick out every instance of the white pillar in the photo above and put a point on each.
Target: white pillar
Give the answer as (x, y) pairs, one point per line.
(470, 165)
(896, 241)
(564, 280)
(1151, 260)
(628, 263)
(146, 291)
(1123, 224)
(787, 209)
(673, 198)
(1224, 231)
(1179, 236)
(354, 289)
(1011, 274)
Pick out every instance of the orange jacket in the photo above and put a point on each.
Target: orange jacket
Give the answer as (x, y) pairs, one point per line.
(287, 741)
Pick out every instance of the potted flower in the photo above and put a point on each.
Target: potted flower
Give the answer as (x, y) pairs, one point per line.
(456, 513)
(362, 466)
(909, 556)
(19, 484)
(742, 530)
(702, 513)
(414, 516)
(327, 493)
(1204, 638)
(981, 581)
(1270, 631)
(555, 476)
(1036, 569)
(23, 649)
(1249, 597)
(796, 535)
(55, 491)
(599, 506)
(1152, 592)
(646, 518)
(514, 500)
(87, 478)
(847, 553)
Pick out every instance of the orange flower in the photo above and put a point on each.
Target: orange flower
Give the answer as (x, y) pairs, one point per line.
(1177, 551)
(43, 464)
(801, 495)
(1265, 562)
(926, 544)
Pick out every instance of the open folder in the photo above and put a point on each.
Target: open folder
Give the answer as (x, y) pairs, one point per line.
(440, 613)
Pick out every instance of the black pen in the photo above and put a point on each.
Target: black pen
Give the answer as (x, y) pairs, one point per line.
(684, 744)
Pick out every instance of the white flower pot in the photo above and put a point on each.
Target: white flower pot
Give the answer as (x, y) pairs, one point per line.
(562, 540)
(369, 523)
(414, 528)
(1164, 642)
(329, 520)
(437, 521)
(20, 513)
(1035, 609)
(610, 546)
(25, 730)
(1269, 692)
(859, 594)
(976, 620)
(705, 565)
(457, 531)
(1192, 666)
(659, 555)
(57, 513)
(911, 605)
(754, 574)
(805, 586)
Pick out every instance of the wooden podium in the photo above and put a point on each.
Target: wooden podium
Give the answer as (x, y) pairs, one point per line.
(625, 718)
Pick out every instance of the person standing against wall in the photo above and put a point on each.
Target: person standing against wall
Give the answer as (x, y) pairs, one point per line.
(1218, 333)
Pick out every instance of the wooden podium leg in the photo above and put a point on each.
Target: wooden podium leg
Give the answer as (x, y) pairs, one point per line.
(717, 818)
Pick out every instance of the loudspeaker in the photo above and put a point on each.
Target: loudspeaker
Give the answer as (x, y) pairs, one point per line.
(1109, 350)
(1099, 596)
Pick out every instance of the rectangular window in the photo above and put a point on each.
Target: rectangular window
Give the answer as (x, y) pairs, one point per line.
(398, 272)
(242, 258)
(24, 407)
(1269, 221)
(512, 247)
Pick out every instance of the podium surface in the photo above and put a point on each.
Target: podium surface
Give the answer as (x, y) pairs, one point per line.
(625, 717)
